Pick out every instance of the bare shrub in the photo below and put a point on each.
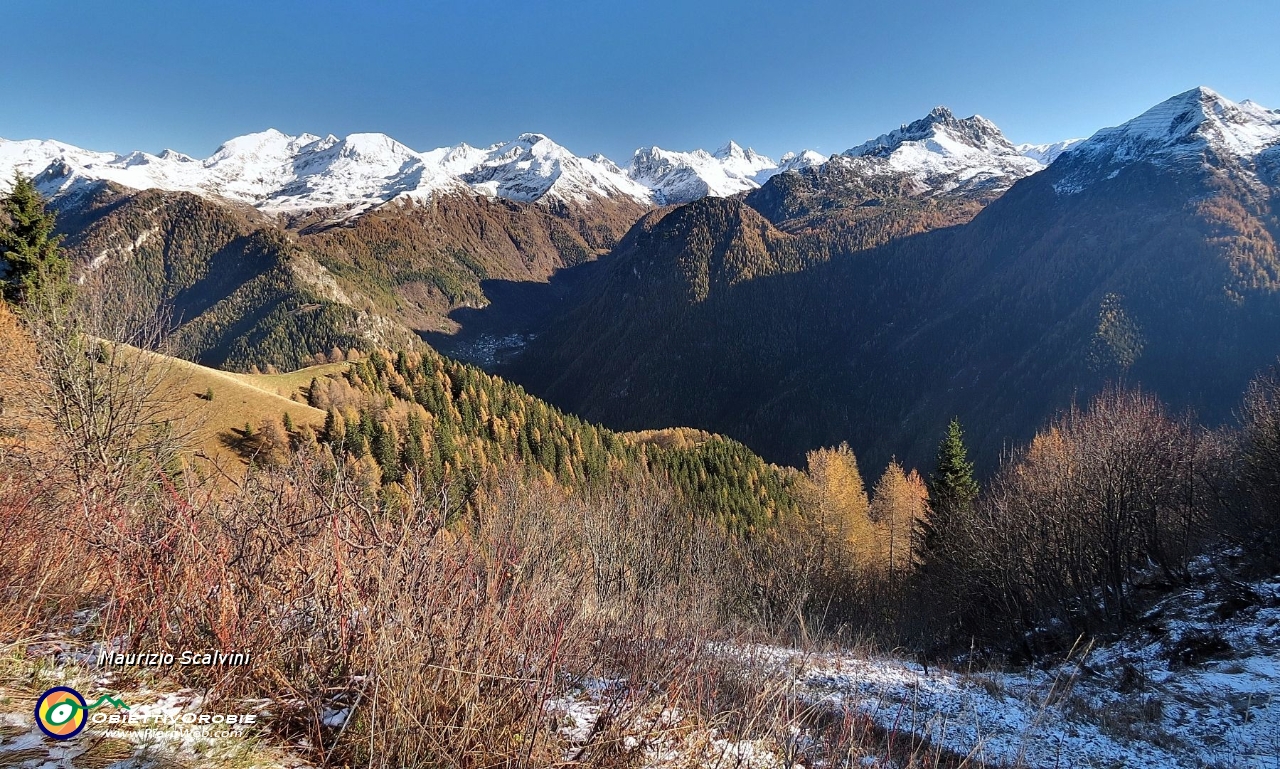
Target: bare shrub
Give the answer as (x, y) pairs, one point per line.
(1104, 497)
(442, 627)
(1260, 461)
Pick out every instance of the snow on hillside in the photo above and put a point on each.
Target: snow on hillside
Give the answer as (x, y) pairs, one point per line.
(1198, 684)
(1197, 126)
(1195, 683)
(943, 153)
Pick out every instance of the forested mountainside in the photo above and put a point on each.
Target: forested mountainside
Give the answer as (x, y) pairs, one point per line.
(445, 423)
(243, 289)
(421, 261)
(377, 240)
(1143, 257)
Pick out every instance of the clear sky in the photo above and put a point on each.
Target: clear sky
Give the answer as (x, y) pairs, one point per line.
(610, 75)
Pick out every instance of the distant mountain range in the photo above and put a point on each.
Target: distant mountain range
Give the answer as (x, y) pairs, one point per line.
(281, 174)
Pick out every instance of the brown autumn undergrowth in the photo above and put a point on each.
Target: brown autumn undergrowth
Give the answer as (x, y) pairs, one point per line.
(450, 628)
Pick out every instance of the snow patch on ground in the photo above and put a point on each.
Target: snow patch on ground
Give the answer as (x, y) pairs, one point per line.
(1197, 685)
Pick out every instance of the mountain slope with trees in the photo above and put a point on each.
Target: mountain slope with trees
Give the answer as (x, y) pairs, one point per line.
(1157, 268)
(244, 290)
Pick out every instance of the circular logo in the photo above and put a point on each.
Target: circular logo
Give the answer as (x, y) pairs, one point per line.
(61, 712)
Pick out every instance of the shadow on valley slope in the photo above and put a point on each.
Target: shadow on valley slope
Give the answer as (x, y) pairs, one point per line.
(494, 334)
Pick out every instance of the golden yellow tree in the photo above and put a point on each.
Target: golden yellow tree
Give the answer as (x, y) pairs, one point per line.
(840, 505)
(899, 500)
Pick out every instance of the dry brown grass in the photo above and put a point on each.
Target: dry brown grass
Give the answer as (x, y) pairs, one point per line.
(238, 399)
(293, 384)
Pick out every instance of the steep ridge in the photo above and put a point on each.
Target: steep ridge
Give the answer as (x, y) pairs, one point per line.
(934, 172)
(1148, 260)
(243, 290)
(943, 153)
(1188, 132)
(420, 261)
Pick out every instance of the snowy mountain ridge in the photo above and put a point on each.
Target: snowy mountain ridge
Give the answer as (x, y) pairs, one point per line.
(279, 173)
(943, 153)
(1198, 126)
(680, 177)
(1046, 153)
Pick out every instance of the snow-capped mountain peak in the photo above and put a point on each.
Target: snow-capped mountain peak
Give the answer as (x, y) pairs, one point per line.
(796, 161)
(533, 167)
(733, 151)
(943, 153)
(1190, 120)
(679, 177)
(1199, 126)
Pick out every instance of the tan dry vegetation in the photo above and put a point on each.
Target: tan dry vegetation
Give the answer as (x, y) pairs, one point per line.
(452, 623)
(293, 384)
(210, 427)
(238, 399)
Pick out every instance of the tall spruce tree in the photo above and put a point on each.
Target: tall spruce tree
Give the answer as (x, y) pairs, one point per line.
(952, 491)
(33, 265)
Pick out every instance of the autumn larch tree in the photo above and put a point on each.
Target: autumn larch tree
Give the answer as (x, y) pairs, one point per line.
(898, 505)
(840, 503)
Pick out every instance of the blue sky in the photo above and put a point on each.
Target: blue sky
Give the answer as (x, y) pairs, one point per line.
(610, 75)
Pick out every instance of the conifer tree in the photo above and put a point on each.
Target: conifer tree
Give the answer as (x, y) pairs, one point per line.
(30, 262)
(952, 490)
(383, 447)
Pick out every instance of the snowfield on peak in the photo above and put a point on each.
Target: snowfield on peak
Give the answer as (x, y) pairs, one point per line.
(943, 153)
(1199, 127)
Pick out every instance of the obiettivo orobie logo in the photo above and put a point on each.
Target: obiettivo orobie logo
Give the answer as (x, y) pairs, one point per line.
(62, 712)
